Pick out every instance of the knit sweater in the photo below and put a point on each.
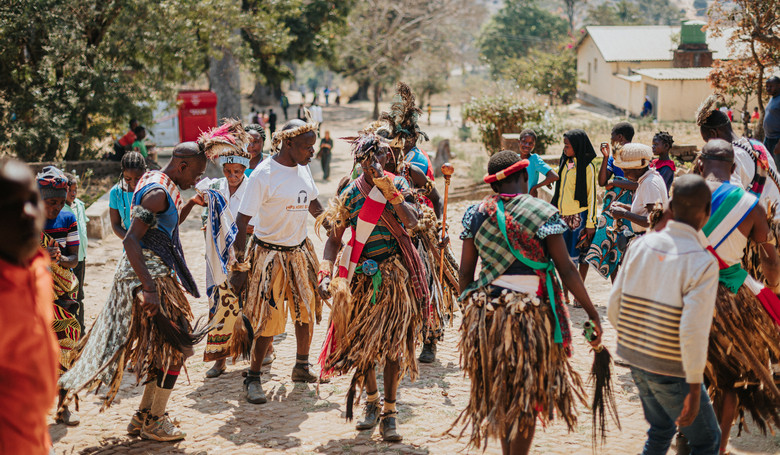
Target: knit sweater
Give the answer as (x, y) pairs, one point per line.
(663, 301)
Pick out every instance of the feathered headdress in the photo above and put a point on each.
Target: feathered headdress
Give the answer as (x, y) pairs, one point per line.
(365, 142)
(226, 143)
(403, 116)
(707, 108)
(280, 136)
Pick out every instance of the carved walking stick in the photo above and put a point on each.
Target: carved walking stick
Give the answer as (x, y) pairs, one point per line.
(447, 170)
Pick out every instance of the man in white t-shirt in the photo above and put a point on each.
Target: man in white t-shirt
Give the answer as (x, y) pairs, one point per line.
(281, 264)
(634, 159)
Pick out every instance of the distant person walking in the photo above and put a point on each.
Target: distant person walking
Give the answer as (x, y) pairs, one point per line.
(326, 93)
(448, 117)
(772, 117)
(271, 121)
(285, 102)
(429, 113)
(326, 149)
(647, 107)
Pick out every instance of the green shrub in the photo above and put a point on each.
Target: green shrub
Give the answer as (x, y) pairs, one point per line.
(503, 114)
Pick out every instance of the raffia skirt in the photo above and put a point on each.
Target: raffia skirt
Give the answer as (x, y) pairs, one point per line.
(366, 333)
(124, 333)
(517, 371)
(437, 314)
(282, 282)
(744, 341)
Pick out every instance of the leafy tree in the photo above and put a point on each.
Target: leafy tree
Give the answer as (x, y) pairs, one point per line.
(633, 12)
(755, 39)
(70, 71)
(552, 74)
(384, 37)
(570, 8)
(518, 27)
(502, 113)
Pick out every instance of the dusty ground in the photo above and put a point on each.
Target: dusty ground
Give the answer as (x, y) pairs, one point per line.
(301, 420)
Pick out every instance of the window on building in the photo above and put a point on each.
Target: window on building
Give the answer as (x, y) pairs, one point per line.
(588, 73)
(595, 66)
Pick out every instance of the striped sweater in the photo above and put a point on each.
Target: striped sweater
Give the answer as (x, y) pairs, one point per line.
(663, 301)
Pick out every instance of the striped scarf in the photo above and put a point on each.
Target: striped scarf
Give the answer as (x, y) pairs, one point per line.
(221, 233)
(730, 206)
(409, 253)
(163, 179)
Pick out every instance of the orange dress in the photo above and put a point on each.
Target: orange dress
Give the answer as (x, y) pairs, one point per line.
(29, 357)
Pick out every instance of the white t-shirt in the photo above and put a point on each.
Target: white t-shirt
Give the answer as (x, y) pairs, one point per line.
(651, 190)
(278, 199)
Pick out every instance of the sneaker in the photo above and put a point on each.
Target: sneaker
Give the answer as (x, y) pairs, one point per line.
(161, 428)
(253, 389)
(370, 416)
(388, 429)
(137, 422)
(428, 354)
(300, 374)
(68, 417)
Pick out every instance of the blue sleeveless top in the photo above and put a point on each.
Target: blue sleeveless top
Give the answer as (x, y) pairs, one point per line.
(168, 220)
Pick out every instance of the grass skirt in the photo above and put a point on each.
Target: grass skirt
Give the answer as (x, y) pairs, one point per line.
(124, 333)
(286, 275)
(439, 311)
(366, 333)
(516, 369)
(744, 341)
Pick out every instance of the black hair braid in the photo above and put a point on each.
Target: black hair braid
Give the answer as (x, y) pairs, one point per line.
(664, 137)
(502, 160)
(256, 128)
(133, 160)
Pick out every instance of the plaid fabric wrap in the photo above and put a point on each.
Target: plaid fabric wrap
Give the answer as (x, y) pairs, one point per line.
(527, 212)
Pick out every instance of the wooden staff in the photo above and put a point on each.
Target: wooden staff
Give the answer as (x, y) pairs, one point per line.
(447, 170)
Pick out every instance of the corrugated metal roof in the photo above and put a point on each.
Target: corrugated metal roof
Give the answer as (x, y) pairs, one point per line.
(663, 74)
(645, 42)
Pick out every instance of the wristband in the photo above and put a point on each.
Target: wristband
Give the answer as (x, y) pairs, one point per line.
(396, 199)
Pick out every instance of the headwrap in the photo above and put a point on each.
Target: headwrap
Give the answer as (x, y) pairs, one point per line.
(226, 143)
(280, 136)
(52, 183)
(634, 156)
(584, 153)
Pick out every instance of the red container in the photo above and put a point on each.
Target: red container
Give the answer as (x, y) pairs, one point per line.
(197, 113)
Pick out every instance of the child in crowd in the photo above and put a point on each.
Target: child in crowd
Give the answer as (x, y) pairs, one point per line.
(255, 148)
(61, 239)
(125, 142)
(536, 165)
(575, 198)
(663, 331)
(662, 143)
(75, 206)
(121, 195)
(635, 161)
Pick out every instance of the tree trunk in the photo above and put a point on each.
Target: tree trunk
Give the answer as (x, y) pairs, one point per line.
(51, 150)
(76, 142)
(362, 92)
(225, 81)
(266, 95)
(759, 132)
(377, 98)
